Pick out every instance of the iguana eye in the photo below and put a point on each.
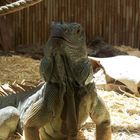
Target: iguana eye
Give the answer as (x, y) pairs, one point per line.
(78, 31)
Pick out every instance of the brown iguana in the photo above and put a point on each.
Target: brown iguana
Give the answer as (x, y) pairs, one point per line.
(57, 110)
(99, 48)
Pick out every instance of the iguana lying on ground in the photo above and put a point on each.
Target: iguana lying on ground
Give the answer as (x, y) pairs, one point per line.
(57, 109)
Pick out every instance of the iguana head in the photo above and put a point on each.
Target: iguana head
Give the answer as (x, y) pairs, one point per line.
(65, 54)
(67, 39)
(72, 33)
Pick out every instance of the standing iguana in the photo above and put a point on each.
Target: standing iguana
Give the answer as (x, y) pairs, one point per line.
(57, 110)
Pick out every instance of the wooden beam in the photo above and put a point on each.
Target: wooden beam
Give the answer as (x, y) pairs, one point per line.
(17, 6)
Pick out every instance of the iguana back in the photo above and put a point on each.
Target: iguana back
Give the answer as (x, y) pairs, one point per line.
(13, 94)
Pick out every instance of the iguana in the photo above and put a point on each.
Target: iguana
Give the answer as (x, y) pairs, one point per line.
(57, 109)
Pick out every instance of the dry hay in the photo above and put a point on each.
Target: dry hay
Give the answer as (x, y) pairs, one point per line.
(125, 112)
(17, 68)
(129, 50)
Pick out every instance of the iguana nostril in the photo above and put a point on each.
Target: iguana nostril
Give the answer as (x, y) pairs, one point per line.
(78, 31)
(65, 30)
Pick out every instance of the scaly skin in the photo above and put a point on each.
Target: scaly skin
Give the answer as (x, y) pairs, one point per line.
(70, 96)
(57, 109)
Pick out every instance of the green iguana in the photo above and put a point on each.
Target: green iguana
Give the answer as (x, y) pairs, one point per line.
(57, 109)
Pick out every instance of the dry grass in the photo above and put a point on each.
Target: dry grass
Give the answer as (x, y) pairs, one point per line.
(129, 50)
(125, 112)
(17, 68)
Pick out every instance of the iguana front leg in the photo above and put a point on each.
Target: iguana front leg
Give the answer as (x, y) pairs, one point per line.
(100, 116)
(41, 112)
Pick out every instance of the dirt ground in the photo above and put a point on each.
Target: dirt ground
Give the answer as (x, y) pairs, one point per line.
(124, 111)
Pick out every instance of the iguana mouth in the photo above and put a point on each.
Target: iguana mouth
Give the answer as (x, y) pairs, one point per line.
(59, 37)
(62, 38)
(69, 43)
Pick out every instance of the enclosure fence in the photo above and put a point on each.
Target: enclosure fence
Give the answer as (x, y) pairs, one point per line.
(117, 21)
